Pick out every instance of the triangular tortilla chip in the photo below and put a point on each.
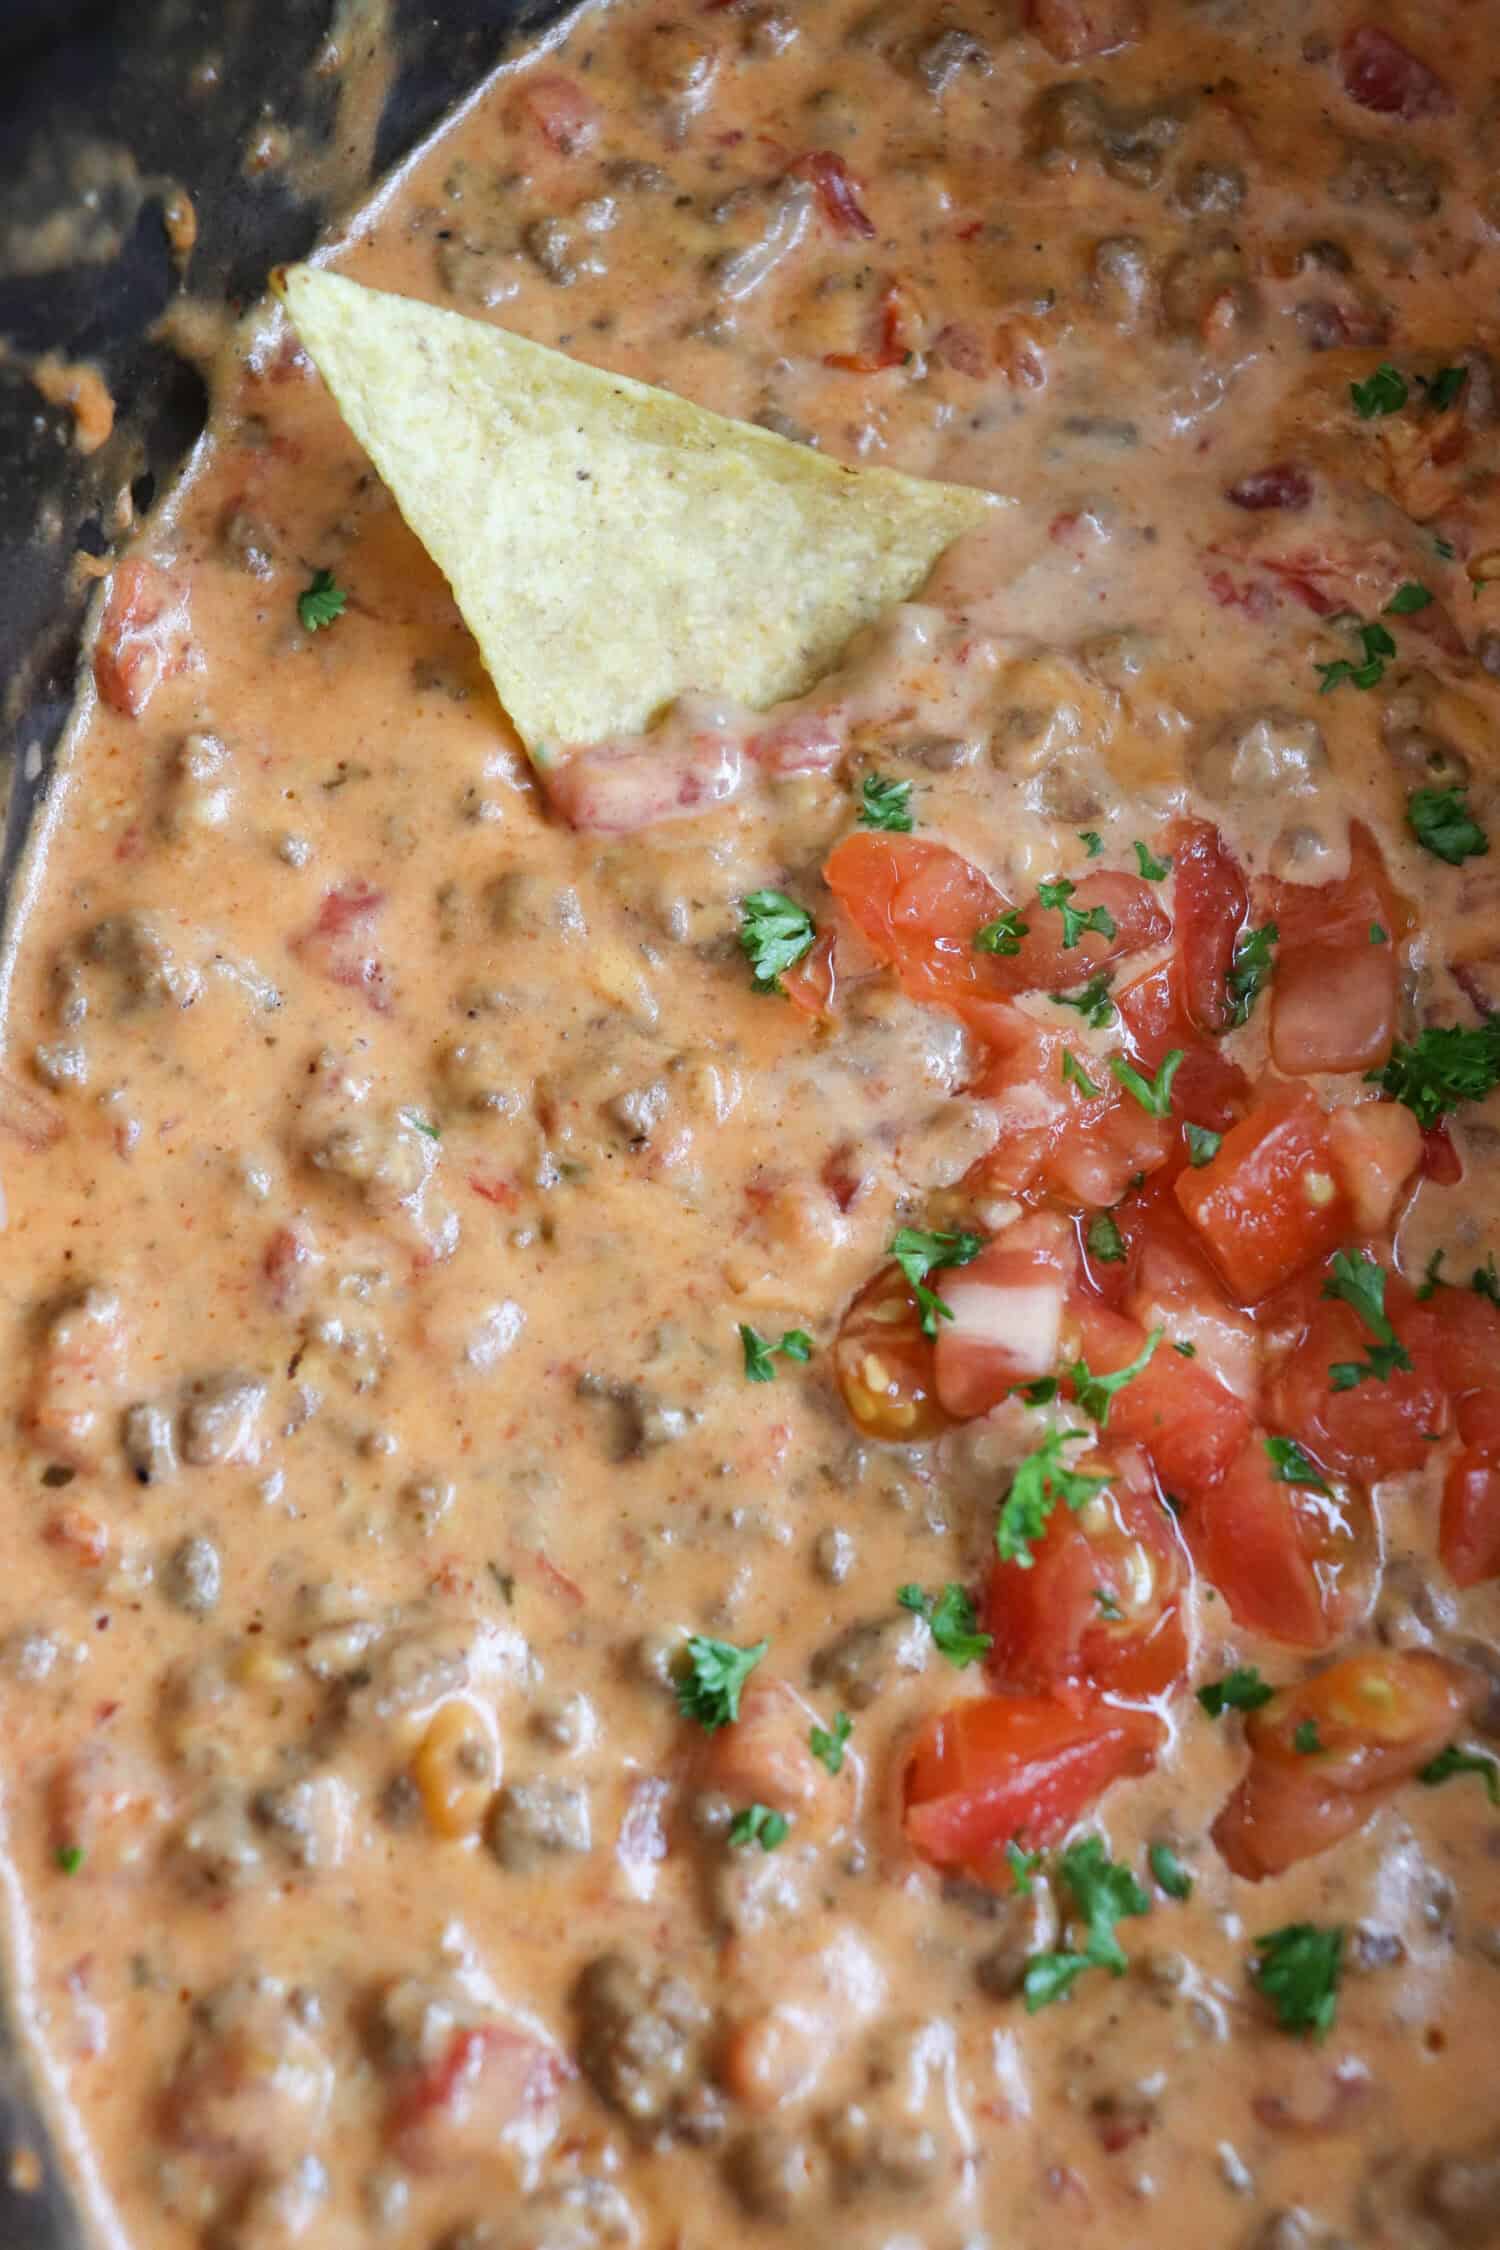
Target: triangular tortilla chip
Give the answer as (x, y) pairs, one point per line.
(609, 544)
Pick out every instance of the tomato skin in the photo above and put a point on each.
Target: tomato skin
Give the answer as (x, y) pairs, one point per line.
(1381, 1427)
(1027, 1268)
(918, 905)
(1179, 1413)
(1469, 1526)
(1044, 964)
(1334, 995)
(1048, 1628)
(1273, 1552)
(1209, 904)
(144, 635)
(1466, 1328)
(998, 1768)
(1270, 1203)
(1380, 1717)
(884, 1365)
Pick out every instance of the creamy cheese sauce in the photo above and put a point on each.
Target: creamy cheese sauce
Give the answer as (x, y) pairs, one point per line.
(389, 1167)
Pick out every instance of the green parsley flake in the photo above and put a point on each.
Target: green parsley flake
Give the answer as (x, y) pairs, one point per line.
(1170, 1874)
(1109, 1608)
(827, 1743)
(951, 1622)
(321, 603)
(1040, 1481)
(1379, 936)
(713, 1680)
(1408, 599)
(1104, 1239)
(1003, 935)
(1040, 1393)
(1443, 825)
(918, 1254)
(1384, 392)
(1297, 1969)
(1444, 1066)
(1443, 388)
(1484, 1280)
(1187, 1350)
(1153, 1094)
(1306, 1740)
(1250, 971)
(774, 934)
(1076, 920)
(759, 1354)
(1203, 1145)
(1105, 1894)
(1243, 1689)
(1290, 1465)
(1095, 1393)
(758, 1824)
(1092, 841)
(1153, 870)
(1360, 1283)
(1093, 1002)
(70, 1858)
(1023, 1865)
(886, 804)
(421, 1124)
(1455, 1760)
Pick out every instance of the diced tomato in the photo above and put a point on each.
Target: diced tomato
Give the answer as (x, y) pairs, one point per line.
(1477, 1414)
(1190, 1425)
(1209, 905)
(455, 2110)
(837, 192)
(1072, 29)
(1052, 1135)
(1467, 1330)
(764, 1757)
(567, 118)
(1380, 74)
(340, 945)
(613, 789)
(894, 335)
(1270, 1202)
(1441, 1161)
(1376, 1148)
(1379, 1718)
(811, 984)
(884, 1365)
(1380, 1427)
(1045, 964)
(919, 906)
(1469, 1527)
(1282, 1556)
(1335, 992)
(1208, 1089)
(1003, 1768)
(1007, 1314)
(1282, 485)
(1101, 1606)
(144, 635)
(1171, 1286)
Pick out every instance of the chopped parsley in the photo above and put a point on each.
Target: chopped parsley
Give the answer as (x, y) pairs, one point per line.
(1384, 392)
(1040, 1481)
(1243, 1689)
(321, 603)
(1377, 645)
(1250, 971)
(775, 932)
(1106, 1894)
(421, 1124)
(1484, 1281)
(1076, 920)
(827, 1743)
(1432, 1277)
(1442, 823)
(1170, 1874)
(1379, 936)
(1187, 1350)
(759, 1354)
(1003, 935)
(1444, 1066)
(1109, 1608)
(1153, 1094)
(1093, 1002)
(714, 1680)
(1153, 870)
(1290, 1465)
(1443, 388)
(1040, 1393)
(1023, 1865)
(1360, 1283)
(886, 804)
(1408, 599)
(918, 1254)
(1203, 1145)
(1095, 1393)
(758, 1824)
(1455, 1760)
(1092, 841)
(1105, 1241)
(1074, 1072)
(1306, 1740)
(951, 1622)
(1297, 1969)
(70, 1858)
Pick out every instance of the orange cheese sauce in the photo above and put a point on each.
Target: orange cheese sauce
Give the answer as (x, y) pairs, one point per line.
(389, 1169)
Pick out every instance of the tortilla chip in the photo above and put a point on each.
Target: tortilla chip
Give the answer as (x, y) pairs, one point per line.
(609, 544)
